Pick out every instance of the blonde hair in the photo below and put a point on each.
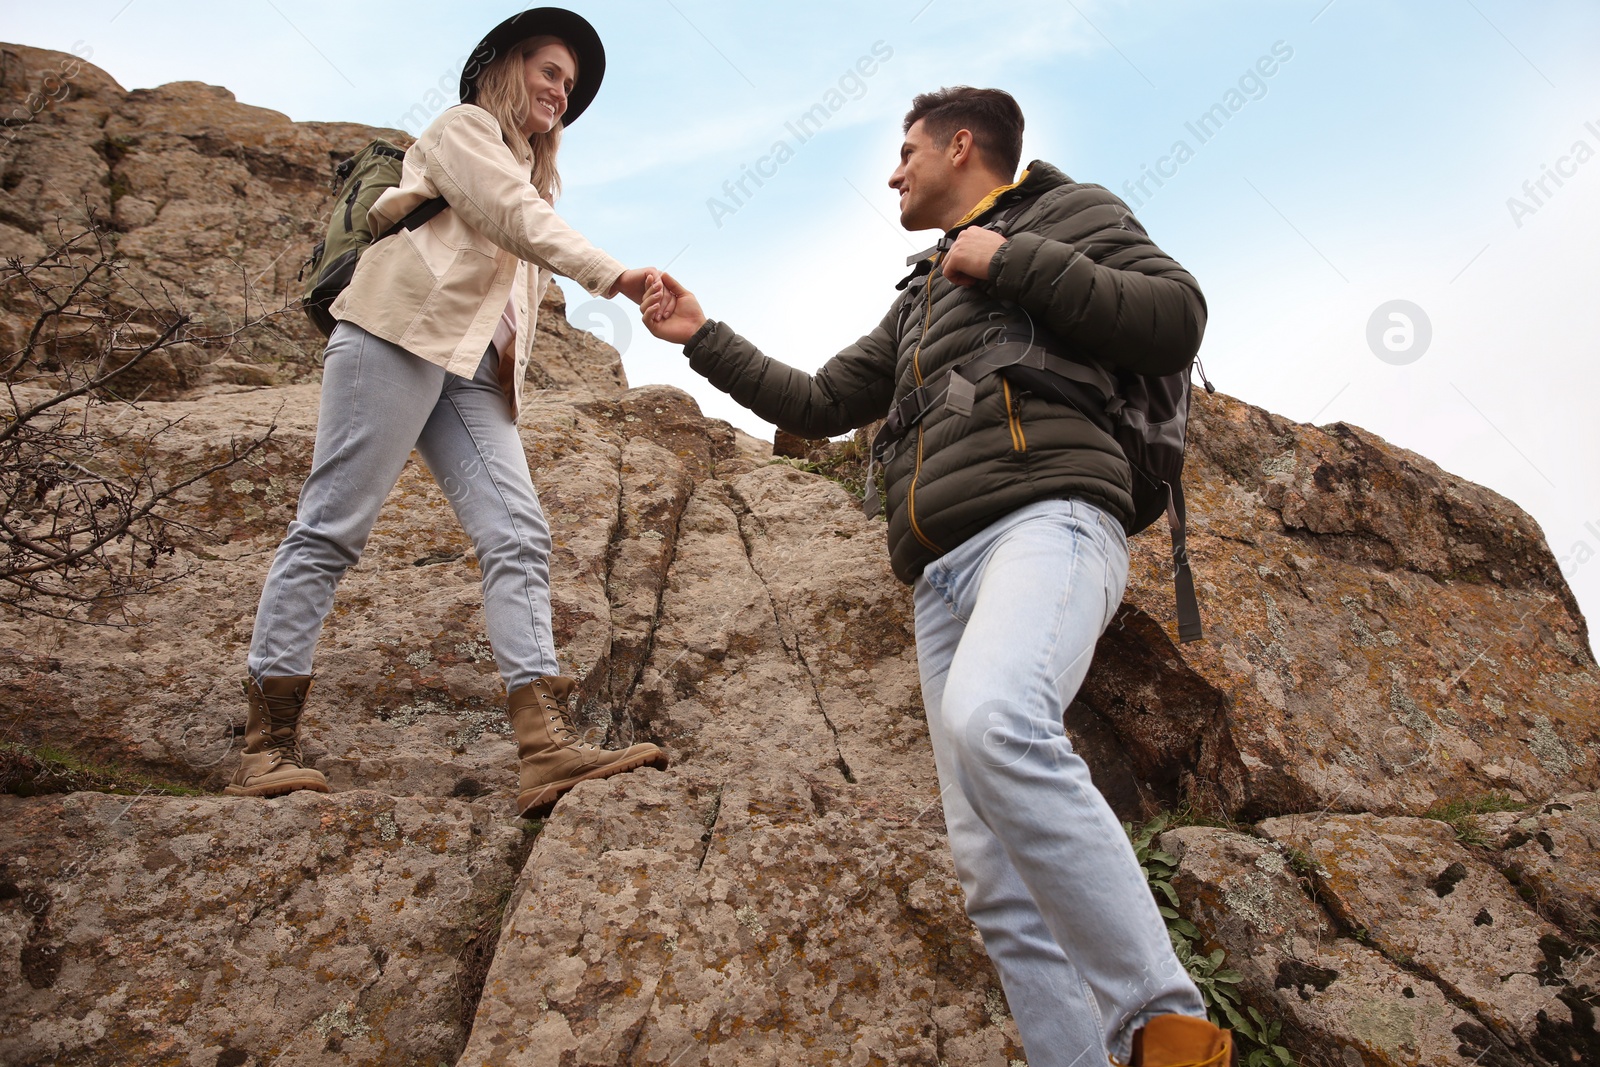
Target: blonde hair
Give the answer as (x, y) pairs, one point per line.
(502, 91)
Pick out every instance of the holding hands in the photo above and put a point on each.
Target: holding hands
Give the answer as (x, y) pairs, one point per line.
(670, 311)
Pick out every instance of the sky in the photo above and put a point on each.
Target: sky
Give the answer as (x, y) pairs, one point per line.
(1392, 212)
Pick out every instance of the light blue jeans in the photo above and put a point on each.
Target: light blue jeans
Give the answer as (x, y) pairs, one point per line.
(378, 402)
(1006, 625)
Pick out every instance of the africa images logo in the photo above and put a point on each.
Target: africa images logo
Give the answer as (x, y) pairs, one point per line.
(852, 85)
(1536, 192)
(1252, 85)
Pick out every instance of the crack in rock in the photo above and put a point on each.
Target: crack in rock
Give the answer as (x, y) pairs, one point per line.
(790, 645)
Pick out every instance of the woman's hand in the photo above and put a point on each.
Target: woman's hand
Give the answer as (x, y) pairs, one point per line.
(633, 283)
(670, 311)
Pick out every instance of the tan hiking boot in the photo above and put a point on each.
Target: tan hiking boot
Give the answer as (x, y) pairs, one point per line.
(272, 763)
(551, 758)
(1181, 1041)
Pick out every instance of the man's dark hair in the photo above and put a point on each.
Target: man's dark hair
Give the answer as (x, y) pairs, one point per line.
(991, 114)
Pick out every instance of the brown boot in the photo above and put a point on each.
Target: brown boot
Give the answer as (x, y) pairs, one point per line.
(551, 758)
(272, 763)
(1181, 1041)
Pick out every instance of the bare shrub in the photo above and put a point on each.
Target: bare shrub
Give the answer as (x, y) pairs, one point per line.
(89, 493)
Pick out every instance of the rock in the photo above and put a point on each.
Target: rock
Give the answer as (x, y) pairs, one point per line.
(218, 202)
(852, 634)
(1380, 636)
(58, 173)
(133, 212)
(1336, 997)
(571, 359)
(1426, 902)
(1552, 856)
(41, 85)
(839, 952)
(245, 932)
(792, 446)
(655, 491)
(232, 372)
(54, 104)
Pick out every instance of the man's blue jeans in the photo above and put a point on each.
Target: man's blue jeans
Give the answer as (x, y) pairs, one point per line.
(1006, 625)
(378, 403)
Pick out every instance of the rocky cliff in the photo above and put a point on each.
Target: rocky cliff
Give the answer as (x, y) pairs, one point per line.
(1382, 760)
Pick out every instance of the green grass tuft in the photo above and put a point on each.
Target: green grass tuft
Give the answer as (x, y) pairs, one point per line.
(1300, 862)
(1456, 813)
(45, 769)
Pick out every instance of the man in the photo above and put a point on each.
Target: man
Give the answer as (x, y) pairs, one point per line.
(1007, 511)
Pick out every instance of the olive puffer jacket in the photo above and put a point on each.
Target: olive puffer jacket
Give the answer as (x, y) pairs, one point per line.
(1076, 264)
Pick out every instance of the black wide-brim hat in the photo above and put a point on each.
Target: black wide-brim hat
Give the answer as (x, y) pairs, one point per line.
(571, 27)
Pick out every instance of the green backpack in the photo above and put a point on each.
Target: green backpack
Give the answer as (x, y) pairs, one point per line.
(357, 183)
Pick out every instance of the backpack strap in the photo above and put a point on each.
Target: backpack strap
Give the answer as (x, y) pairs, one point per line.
(921, 263)
(1182, 575)
(1001, 222)
(415, 217)
(954, 389)
(908, 307)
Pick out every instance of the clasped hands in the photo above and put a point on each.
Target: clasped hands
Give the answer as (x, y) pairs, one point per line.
(673, 314)
(668, 309)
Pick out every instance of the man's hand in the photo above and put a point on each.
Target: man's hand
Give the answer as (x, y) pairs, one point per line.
(670, 311)
(967, 262)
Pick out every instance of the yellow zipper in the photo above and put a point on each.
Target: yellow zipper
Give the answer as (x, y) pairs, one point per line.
(911, 501)
(1019, 441)
(916, 369)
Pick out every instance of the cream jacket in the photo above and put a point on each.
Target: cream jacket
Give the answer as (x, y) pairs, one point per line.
(438, 291)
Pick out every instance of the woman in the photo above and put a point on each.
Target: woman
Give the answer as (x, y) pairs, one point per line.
(432, 342)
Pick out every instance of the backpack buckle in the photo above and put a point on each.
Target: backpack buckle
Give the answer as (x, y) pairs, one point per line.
(959, 394)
